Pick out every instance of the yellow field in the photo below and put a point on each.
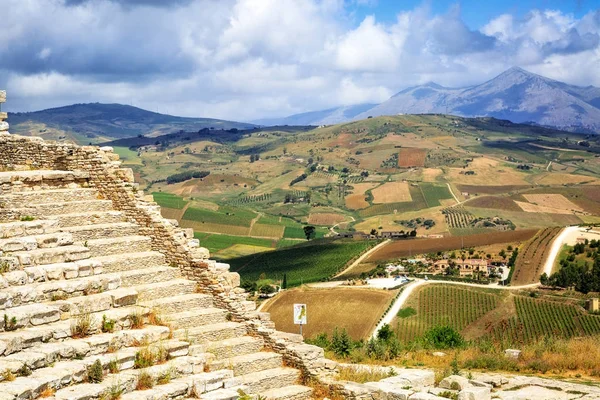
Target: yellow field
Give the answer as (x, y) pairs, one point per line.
(391, 192)
(331, 308)
(431, 174)
(356, 200)
(387, 222)
(240, 250)
(215, 228)
(560, 179)
(487, 172)
(265, 230)
(207, 205)
(555, 201)
(325, 219)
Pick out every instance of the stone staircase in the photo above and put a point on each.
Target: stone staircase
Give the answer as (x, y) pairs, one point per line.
(80, 283)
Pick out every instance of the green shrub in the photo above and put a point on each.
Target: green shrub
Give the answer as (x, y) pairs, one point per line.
(442, 337)
(95, 373)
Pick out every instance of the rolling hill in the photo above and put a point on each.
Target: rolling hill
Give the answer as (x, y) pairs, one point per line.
(330, 116)
(109, 121)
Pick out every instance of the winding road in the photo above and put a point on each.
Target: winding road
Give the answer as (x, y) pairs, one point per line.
(557, 244)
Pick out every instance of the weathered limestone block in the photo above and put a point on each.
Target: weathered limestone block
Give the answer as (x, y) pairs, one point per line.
(425, 396)
(475, 393)
(512, 353)
(392, 391)
(211, 381)
(3, 126)
(455, 382)
(415, 377)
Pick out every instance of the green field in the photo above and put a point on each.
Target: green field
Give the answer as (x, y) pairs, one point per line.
(443, 305)
(311, 262)
(127, 156)
(216, 243)
(225, 215)
(418, 203)
(434, 193)
(169, 200)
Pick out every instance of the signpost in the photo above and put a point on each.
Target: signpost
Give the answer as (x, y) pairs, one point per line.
(300, 315)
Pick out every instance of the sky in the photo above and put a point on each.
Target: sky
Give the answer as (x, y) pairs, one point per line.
(248, 59)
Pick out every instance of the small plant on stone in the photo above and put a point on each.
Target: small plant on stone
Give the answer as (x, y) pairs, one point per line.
(10, 324)
(24, 371)
(108, 325)
(8, 375)
(448, 394)
(144, 358)
(144, 381)
(165, 377)
(83, 325)
(155, 318)
(114, 392)
(136, 319)
(85, 244)
(454, 366)
(48, 392)
(95, 373)
(113, 367)
(4, 267)
(27, 218)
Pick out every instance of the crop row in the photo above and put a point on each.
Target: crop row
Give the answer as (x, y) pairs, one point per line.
(446, 305)
(458, 217)
(531, 258)
(252, 199)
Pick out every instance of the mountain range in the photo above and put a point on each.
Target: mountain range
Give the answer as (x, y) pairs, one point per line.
(516, 95)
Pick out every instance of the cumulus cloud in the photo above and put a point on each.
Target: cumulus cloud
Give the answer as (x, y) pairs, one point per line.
(247, 59)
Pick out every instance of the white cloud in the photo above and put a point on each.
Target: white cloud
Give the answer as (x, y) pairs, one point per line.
(246, 59)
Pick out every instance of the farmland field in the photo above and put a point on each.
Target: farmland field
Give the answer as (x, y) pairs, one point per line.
(214, 242)
(325, 219)
(437, 305)
(481, 189)
(531, 257)
(310, 262)
(494, 202)
(417, 203)
(409, 157)
(169, 200)
(403, 248)
(356, 200)
(266, 230)
(458, 217)
(319, 306)
(556, 201)
(434, 193)
(225, 215)
(226, 229)
(391, 192)
(498, 315)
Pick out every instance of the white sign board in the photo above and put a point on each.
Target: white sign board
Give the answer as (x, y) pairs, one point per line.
(300, 314)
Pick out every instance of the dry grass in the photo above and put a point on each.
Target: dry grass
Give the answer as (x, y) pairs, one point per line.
(411, 157)
(325, 219)
(362, 374)
(48, 392)
(391, 192)
(321, 302)
(144, 381)
(553, 201)
(82, 325)
(356, 200)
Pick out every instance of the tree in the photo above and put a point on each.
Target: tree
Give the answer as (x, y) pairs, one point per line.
(374, 232)
(284, 283)
(341, 344)
(385, 333)
(309, 232)
(443, 337)
(502, 254)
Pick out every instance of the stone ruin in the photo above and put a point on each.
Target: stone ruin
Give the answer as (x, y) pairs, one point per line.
(103, 298)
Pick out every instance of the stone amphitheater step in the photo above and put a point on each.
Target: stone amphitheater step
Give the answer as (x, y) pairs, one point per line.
(158, 290)
(47, 210)
(248, 363)
(119, 245)
(176, 304)
(27, 228)
(60, 271)
(54, 290)
(66, 373)
(51, 196)
(27, 243)
(55, 255)
(42, 177)
(130, 261)
(197, 317)
(47, 326)
(44, 354)
(212, 332)
(228, 348)
(89, 218)
(259, 382)
(293, 392)
(102, 231)
(149, 275)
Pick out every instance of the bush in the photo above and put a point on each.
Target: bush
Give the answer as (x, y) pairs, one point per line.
(95, 372)
(341, 344)
(442, 337)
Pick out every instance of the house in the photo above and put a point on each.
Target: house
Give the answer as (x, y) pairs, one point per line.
(465, 267)
(393, 234)
(593, 304)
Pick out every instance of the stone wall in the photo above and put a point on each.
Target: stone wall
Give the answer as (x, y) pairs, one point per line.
(102, 170)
